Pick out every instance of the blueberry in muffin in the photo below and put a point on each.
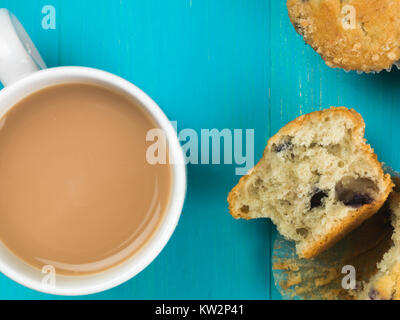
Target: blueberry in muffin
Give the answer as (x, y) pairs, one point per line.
(317, 180)
(362, 35)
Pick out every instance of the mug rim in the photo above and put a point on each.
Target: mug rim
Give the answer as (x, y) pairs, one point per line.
(148, 253)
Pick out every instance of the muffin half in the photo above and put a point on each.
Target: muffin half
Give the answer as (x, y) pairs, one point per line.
(385, 284)
(317, 180)
(362, 35)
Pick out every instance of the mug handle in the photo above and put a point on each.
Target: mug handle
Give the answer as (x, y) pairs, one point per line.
(18, 55)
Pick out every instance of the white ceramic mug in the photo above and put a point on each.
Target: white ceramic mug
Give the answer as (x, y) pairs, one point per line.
(22, 71)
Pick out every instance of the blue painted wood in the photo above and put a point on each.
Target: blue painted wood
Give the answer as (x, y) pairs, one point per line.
(210, 64)
(206, 63)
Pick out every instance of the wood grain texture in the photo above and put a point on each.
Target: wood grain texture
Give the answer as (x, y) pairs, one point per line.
(206, 63)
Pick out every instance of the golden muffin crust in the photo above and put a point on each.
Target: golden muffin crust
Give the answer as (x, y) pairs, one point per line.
(362, 35)
(385, 284)
(317, 180)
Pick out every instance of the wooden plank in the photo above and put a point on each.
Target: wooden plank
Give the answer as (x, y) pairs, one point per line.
(47, 42)
(30, 14)
(301, 83)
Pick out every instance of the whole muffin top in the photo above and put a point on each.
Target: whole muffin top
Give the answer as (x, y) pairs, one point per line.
(362, 35)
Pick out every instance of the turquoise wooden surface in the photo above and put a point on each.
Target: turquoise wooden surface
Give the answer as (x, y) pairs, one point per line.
(209, 64)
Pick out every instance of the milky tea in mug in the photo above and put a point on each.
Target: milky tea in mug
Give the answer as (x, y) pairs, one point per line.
(76, 190)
